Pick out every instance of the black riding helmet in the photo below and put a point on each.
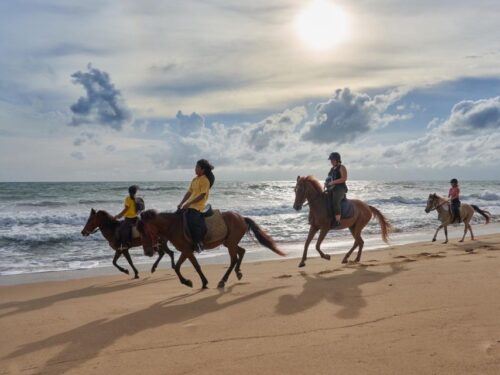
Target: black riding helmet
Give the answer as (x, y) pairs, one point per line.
(335, 156)
(453, 181)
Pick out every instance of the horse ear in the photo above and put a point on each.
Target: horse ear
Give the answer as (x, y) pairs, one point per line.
(298, 178)
(92, 212)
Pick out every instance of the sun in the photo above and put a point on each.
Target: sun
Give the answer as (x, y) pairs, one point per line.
(321, 25)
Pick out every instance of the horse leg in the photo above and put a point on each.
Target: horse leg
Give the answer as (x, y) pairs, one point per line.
(234, 259)
(129, 260)
(466, 227)
(321, 237)
(435, 234)
(348, 254)
(470, 230)
(310, 236)
(197, 267)
(237, 270)
(181, 260)
(446, 234)
(117, 255)
(171, 255)
(160, 255)
(360, 249)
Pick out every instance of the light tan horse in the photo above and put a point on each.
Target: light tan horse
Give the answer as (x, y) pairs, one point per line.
(309, 189)
(442, 206)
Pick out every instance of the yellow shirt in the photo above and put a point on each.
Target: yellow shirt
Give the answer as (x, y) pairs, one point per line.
(198, 186)
(131, 211)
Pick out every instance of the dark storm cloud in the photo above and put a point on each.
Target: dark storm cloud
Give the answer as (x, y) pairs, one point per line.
(103, 103)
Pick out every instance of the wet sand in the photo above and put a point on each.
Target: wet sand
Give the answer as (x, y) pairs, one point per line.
(423, 308)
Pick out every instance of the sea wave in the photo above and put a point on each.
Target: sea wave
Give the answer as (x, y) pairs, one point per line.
(398, 199)
(485, 196)
(30, 220)
(41, 204)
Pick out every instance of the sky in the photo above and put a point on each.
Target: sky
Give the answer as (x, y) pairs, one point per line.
(128, 90)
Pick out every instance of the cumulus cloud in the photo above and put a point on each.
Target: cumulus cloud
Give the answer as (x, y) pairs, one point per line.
(86, 137)
(77, 155)
(460, 140)
(348, 114)
(187, 124)
(103, 103)
(473, 116)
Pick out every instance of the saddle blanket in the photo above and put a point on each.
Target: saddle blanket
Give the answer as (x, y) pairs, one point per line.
(346, 209)
(216, 227)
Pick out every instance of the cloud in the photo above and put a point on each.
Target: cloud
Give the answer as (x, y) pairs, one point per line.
(188, 124)
(110, 148)
(86, 137)
(348, 114)
(103, 103)
(78, 155)
(473, 116)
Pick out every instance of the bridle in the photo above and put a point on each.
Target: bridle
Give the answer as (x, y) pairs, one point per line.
(88, 233)
(155, 244)
(435, 207)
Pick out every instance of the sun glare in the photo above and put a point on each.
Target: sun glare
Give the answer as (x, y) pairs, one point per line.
(321, 25)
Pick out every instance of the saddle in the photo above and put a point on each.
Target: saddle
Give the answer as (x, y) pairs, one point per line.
(346, 209)
(216, 226)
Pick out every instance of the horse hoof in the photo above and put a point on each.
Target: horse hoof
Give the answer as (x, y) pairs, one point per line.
(326, 256)
(461, 241)
(302, 264)
(445, 242)
(357, 260)
(188, 283)
(153, 270)
(344, 261)
(221, 285)
(136, 276)
(433, 240)
(126, 271)
(239, 275)
(204, 286)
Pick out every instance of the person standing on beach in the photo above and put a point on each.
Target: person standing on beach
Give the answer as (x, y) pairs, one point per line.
(130, 213)
(194, 202)
(336, 187)
(454, 196)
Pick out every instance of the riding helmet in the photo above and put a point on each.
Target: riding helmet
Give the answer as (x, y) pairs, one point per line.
(335, 156)
(453, 181)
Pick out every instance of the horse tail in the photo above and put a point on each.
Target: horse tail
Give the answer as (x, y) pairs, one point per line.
(484, 213)
(384, 223)
(263, 238)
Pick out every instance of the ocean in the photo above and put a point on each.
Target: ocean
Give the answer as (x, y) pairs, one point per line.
(40, 223)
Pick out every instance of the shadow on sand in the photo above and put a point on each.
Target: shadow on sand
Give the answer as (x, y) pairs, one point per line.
(17, 307)
(342, 290)
(87, 341)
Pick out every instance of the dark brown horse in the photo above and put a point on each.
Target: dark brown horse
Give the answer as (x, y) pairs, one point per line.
(169, 226)
(104, 222)
(309, 189)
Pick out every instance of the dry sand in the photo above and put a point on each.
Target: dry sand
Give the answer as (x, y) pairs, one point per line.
(414, 309)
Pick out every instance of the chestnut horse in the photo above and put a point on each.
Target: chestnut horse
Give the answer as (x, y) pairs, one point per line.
(309, 189)
(442, 206)
(169, 226)
(104, 222)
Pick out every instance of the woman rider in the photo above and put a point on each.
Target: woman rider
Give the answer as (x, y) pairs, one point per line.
(336, 186)
(195, 199)
(130, 213)
(454, 196)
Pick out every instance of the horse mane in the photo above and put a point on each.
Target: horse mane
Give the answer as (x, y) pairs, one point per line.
(314, 182)
(149, 215)
(106, 216)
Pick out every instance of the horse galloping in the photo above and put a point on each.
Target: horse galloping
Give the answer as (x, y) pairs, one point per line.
(309, 189)
(169, 226)
(103, 221)
(441, 205)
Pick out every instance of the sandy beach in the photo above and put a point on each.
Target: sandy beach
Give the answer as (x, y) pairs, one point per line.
(424, 308)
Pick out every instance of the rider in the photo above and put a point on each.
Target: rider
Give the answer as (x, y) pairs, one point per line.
(454, 196)
(336, 186)
(194, 201)
(130, 213)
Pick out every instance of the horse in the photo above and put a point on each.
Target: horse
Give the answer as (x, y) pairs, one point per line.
(103, 221)
(309, 189)
(441, 205)
(169, 226)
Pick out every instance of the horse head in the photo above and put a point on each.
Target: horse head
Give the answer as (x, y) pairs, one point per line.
(431, 202)
(300, 194)
(92, 224)
(149, 233)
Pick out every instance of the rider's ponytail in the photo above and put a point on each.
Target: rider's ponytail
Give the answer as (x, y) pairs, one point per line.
(207, 170)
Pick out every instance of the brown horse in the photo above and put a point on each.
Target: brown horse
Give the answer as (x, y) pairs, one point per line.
(169, 226)
(104, 222)
(442, 206)
(309, 189)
